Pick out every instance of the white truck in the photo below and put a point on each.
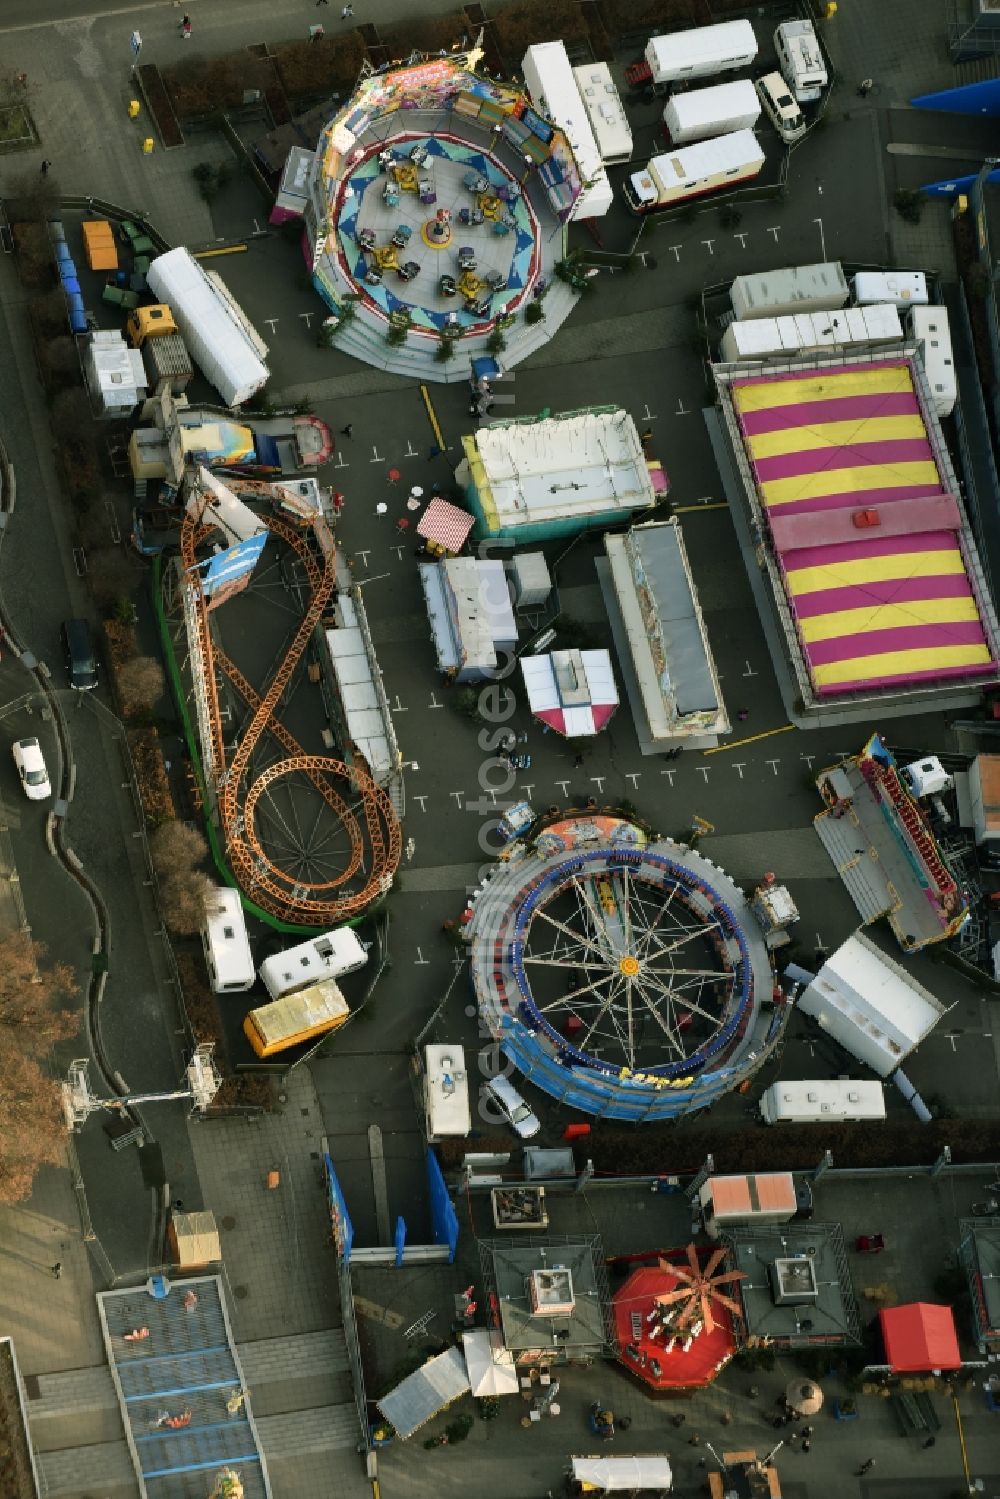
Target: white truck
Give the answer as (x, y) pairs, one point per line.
(929, 326)
(692, 171)
(603, 104)
(330, 956)
(701, 53)
(822, 1100)
(800, 59)
(447, 1112)
(225, 942)
(553, 91)
(704, 112)
(795, 288)
(218, 334)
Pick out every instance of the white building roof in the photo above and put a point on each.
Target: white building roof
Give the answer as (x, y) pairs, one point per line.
(358, 694)
(612, 1475)
(492, 1371)
(477, 600)
(875, 998)
(577, 465)
(572, 691)
(117, 370)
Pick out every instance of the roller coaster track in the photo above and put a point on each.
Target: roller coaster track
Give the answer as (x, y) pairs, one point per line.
(277, 891)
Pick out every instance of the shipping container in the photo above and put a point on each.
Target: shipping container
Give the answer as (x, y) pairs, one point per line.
(797, 288)
(930, 327)
(809, 332)
(296, 1018)
(701, 113)
(701, 52)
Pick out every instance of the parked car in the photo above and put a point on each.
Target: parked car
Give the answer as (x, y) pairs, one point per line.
(30, 764)
(81, 659)
(512, 1106)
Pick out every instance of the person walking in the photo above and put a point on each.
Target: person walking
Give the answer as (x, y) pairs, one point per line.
(45, 167)
(865, 87)
(806, 1431)
(866, 1467)
(186, 27)
(57, 1270)
(348, 430)
(321, 2)
(347, 12)
(807, 1445)
(930, 1442)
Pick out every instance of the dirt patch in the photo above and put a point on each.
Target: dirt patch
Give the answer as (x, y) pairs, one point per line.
(16, 1477)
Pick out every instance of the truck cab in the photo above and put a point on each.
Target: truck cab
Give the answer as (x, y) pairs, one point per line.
(150, 322)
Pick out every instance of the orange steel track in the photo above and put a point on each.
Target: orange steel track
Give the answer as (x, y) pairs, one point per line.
(282, 894)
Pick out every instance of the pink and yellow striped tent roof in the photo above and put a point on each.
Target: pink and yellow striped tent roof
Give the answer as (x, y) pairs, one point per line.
(883, 605)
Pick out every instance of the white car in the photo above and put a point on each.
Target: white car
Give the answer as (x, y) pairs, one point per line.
(30, 764)
(500, 1091)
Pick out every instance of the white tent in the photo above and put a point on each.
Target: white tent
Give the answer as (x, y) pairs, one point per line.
(491, 1370)
(613, 1475)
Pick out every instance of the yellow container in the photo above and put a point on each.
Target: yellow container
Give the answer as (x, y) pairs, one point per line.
(133, 108)
(148, 145)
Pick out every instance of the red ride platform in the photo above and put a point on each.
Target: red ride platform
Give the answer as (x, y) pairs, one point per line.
(646, 1357)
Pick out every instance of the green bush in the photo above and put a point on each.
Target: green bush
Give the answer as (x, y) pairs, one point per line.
(445, 350)
(534, 312)
(908, 204)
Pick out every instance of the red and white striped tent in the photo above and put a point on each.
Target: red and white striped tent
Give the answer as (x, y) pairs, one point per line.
(445, 525)
(573, 692)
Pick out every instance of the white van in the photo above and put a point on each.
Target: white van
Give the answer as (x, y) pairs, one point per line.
(800, 59)
(225, 942)
(780, 108)
(501, 1091)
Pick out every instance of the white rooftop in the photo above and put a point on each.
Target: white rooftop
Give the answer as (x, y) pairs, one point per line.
(871, 1004)
(581, 464)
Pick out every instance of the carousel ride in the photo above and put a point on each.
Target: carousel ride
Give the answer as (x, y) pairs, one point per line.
(311, 839)
(626, 977)
(436, 204)
(676, 1321)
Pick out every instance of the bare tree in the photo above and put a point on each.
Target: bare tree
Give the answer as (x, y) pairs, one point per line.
(141, 683)
(178, 850)
(33, 1019)
(182, 902)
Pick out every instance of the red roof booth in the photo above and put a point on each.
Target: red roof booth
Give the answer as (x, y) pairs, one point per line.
(919, 1337)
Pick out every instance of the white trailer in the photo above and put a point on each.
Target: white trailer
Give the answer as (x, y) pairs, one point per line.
(692, 171)
(807, 332)
(795, 288)
(704, 112)
(603, 104)
(225, 942)
(800, 59)
(552, 89)
(701, 52)
(930, 327)
(218, 335)
(447, 1113)
(327, 957)
(905, 288)
(820, 1100)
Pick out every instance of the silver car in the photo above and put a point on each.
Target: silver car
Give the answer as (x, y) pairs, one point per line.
(500, 1091)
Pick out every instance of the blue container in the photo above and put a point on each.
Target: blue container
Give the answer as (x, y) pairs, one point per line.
(77, 320)
(71, 286)
(62, 251)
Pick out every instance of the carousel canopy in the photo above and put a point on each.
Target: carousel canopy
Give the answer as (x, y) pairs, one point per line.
(920, 1336)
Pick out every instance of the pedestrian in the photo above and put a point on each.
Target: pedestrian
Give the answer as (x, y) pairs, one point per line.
(865, 87)
(678, 1420)
(45, 167)
(186, 27)
(866, 1467)
(930, 1442)
(753, 1392)
(577, 762)
(57, 1270)
(743, 714)
(807, 1445)
(806, 1431)
(347, 11)
(777, 1422)
(178, 1205)
(694, 1440)
(624, 1422)
(321, 2)
(347, 431)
